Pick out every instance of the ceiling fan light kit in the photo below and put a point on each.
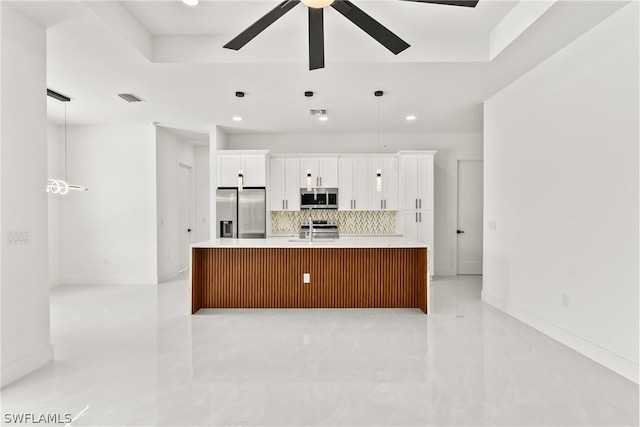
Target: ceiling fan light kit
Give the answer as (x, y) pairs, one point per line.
(353, 13)
(317, 4)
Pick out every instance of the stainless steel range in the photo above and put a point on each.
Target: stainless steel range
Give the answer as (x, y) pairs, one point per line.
(320, 230)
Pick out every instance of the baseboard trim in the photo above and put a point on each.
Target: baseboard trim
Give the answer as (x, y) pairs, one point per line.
(110, 280)
(25, 365)
(616, 363)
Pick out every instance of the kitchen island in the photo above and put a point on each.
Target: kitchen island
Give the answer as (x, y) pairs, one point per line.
(349, 272)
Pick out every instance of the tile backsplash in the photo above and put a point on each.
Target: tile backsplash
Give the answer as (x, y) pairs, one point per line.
(349, 222)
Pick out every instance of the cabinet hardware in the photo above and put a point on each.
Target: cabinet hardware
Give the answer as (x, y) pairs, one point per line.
(283, 204)
(287, 204)
(420, 203)
(385, 203)
(355, 204)
(381, 205)
(416, 203)
(416, 216)
(320, 181)
(420, 216)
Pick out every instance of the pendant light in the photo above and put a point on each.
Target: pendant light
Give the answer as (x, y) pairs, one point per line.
(240, 180)
(238, 117)
(379, 95)
(308, 94)
(61, 186)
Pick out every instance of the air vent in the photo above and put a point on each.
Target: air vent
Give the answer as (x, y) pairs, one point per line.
(130, 97)
(319, 112)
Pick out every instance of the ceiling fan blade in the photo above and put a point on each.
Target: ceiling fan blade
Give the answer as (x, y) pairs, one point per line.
(370, 26)
(316, 38)
(261, 24)
(465, 3)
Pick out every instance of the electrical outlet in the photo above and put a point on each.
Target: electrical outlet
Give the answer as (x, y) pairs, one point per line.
(491, 224)
(106, 261)
(18, 237)
(565, 300)
(306, 339)
(306, 278)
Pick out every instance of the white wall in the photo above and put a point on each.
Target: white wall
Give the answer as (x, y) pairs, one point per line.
(450, 147)
(109, 232)
(24, 295)
(202, 193)
(170, 153)
(561, 182)
(55, 170)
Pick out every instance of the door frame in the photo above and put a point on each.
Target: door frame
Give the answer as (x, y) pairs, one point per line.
(191, 200)
(455, 223)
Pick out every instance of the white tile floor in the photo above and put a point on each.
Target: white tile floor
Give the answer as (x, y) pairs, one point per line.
(134, 356)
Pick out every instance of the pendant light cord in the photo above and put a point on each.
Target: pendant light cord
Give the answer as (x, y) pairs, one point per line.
(65, 142)
(378, 125)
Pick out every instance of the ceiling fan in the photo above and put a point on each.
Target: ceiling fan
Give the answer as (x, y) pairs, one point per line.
(316, 28)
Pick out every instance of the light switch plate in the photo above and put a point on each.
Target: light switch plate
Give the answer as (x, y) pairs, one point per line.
(491, 224)
(306, 278)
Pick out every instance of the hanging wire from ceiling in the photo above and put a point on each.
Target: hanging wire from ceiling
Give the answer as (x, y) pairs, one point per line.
(61, 186)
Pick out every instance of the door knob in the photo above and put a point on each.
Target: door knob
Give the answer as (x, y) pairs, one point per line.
(460, 231)
(188, 230)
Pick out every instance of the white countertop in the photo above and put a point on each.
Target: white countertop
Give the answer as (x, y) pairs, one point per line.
(292, 242)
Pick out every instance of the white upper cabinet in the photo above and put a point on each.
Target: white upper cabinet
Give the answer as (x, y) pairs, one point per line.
(353, 185)
(324, 171)
(252, 163)
(387, 198)
(416, 180)
(228, 166)
(284, 189)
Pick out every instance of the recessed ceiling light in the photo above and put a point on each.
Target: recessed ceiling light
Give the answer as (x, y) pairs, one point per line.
(323, 118)
(237, 118)
(411, 118)
(191, 2)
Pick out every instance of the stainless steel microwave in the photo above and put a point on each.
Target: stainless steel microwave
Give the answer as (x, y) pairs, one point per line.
(319, 198)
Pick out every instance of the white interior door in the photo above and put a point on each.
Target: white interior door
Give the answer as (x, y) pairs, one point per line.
(186, 229)
(470, 216)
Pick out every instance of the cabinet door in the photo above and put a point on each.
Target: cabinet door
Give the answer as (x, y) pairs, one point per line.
(228, 166)
(361, 182)
(410, 225)
(292, 184)
(390, 184)
(328, 172)
(409, 171)
(254, 169)
(277, 186)
(425, 196)
(345, 184)
(305, 164)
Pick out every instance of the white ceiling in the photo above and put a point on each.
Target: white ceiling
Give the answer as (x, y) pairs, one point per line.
(170, 55)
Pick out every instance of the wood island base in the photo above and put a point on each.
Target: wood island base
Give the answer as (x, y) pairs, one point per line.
(339, 278)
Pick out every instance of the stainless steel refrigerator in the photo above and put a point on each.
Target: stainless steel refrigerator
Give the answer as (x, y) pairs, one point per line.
(241, 214)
